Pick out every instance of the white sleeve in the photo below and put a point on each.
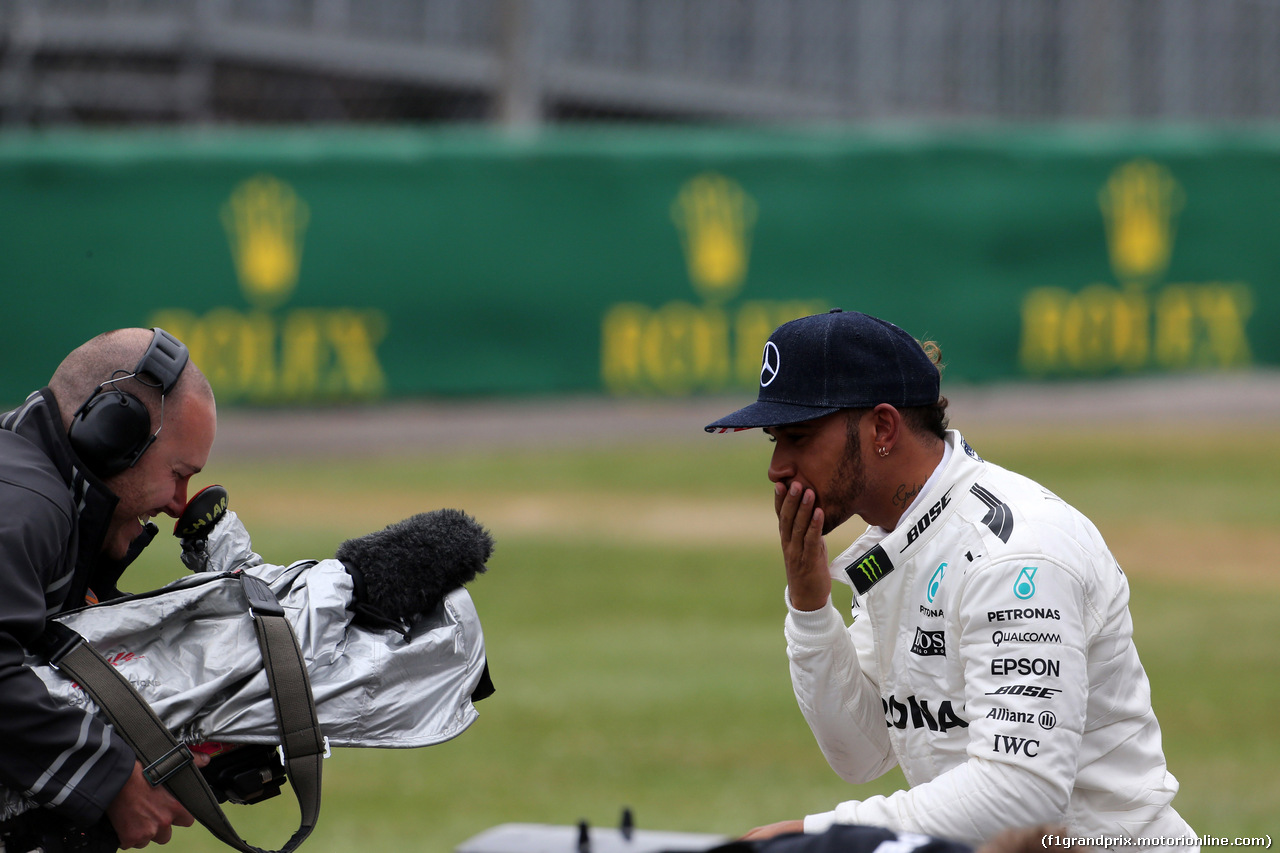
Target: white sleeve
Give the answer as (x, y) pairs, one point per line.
(839, 701)
(1026, 690)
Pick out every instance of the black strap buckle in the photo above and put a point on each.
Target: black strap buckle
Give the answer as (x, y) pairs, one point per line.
(159, 771)
(261, 599)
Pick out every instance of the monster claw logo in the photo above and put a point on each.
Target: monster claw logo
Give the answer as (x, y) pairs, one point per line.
(869, 570)
(265, 221)
(715, 217)
(1140, 203)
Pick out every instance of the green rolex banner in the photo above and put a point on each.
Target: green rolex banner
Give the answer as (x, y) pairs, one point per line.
(316, 266)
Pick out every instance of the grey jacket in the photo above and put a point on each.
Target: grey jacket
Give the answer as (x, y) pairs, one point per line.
(53, 517)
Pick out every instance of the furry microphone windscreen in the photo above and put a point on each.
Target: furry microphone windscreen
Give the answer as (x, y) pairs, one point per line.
(410, 566)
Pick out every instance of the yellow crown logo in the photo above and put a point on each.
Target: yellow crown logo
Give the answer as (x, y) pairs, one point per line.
(1140, 204)
(265, 221)
(715, 217)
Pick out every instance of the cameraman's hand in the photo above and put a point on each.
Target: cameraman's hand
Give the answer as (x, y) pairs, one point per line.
(141, 814)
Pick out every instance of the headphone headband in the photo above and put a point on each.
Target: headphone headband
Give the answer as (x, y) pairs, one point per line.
(164, 359)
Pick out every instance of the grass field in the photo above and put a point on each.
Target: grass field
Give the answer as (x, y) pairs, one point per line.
(633, 619)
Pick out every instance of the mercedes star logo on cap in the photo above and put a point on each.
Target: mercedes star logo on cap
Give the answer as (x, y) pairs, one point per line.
(770, 365)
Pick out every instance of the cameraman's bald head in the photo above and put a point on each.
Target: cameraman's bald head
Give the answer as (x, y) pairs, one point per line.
(182, 428)
(112, 355)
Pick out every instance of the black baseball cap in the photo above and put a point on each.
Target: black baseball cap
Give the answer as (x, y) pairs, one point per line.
(839, 360)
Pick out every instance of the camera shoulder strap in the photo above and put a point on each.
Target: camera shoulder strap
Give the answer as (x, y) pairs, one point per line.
(168, 761)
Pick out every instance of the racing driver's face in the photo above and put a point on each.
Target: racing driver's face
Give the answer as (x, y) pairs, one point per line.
(824, 454)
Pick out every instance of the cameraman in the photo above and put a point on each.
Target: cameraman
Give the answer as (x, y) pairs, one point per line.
(85, 463)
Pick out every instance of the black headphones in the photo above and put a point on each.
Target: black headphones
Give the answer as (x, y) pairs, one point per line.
(112, 429)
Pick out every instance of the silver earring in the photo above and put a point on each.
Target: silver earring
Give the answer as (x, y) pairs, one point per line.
(883, 451)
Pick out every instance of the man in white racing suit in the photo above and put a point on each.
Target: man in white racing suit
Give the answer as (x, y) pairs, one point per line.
(991, 650)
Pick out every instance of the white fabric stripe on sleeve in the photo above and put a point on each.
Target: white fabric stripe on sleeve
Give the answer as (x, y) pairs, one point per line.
(17, 415)
(60, 582)
(75, 780)
(61, 759)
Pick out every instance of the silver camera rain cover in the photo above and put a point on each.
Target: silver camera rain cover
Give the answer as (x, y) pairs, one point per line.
(190, 650)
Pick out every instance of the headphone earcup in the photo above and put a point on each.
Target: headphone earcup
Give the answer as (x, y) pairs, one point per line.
(110, 431)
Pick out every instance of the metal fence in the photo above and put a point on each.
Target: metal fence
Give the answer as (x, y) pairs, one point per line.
(531, 61)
